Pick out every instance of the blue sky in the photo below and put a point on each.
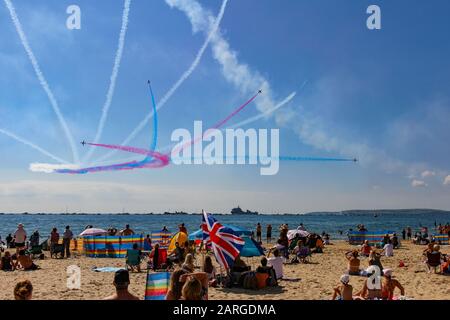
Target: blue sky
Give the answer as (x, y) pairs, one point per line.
(381, 96)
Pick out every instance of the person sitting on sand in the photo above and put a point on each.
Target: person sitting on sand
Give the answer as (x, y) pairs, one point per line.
(277, 263)
(375, 259)
(366, 248)
(23, 290)
(6, 262)
(176, 256)
(127, 231)
(121, 283)
(188, 264)
(175, 285)
(344, 291)
(210, 270)
(388, 249)
(372, 292)
(239, 265)
(192, 290)
(24, 262)
(353, 263)
(433, 260)
(388, 286)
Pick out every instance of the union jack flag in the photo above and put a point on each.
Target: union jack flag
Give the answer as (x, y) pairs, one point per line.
(225, 244)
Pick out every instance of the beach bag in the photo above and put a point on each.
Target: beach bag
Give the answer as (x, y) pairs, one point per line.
(272, 280)
(262, 279)
(250, 281)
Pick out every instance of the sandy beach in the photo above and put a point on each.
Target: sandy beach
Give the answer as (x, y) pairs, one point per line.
(317, 278)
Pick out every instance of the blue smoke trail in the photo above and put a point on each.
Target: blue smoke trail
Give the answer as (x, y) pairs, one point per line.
(155, 124)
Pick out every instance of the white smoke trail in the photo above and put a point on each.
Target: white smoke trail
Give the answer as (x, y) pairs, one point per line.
(114, 74)
(32, 145)
(265, 114)
(50, 168)
(41, 78)
(212, 30)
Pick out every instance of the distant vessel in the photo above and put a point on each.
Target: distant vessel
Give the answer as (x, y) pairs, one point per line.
(175, 213)
(238, 210)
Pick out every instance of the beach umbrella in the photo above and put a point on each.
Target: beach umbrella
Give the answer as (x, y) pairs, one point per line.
(93, 232)
(292, 233)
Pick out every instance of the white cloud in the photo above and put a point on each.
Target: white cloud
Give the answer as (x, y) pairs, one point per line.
(428, 173)
(447, 180)
(418, 184)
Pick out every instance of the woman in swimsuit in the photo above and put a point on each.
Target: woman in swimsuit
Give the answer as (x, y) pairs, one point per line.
(353, 262)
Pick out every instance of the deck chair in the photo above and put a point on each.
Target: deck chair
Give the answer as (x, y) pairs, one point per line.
(304, 255)
(157, 286)
(35, 251)
(133, 259)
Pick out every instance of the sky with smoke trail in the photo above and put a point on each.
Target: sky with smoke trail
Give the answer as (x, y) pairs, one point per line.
(363, 97)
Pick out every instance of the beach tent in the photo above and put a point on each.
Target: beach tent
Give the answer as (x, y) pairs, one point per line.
(251, 248)
(179, 237)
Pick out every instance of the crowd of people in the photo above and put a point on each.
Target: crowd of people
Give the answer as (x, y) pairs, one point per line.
(191, 282)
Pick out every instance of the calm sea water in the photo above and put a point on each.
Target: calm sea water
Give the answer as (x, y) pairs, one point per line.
(330, 223)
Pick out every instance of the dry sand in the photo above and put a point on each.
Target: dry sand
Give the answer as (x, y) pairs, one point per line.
(317, 278)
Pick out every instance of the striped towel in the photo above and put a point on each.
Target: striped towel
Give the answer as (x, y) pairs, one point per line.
(157, 286)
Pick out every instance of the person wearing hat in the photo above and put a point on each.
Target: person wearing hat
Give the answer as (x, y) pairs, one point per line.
(388, 286)
(121, 283)
(344, 291)
(20, 236)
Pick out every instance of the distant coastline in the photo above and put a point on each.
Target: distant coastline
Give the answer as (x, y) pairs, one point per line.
(354, 212)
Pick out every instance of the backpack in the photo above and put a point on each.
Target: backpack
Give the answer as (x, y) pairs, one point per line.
(250, 281)
(272, 280)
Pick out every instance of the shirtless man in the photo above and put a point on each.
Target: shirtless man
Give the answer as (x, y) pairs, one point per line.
(127, 231)
(24, 262)
(353, 262)
(121, 282)
(344, 291)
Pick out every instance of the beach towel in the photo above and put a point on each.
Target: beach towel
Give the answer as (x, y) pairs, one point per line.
(107, 269)
(157, 286)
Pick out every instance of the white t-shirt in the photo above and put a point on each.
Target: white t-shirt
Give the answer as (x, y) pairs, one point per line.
(277, 264)
(20, 235)
(388, 250)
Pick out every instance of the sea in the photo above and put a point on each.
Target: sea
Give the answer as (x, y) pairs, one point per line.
(333, 223)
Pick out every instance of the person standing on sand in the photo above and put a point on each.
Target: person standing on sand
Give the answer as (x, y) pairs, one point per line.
(54, 239)
(67, 237)
(121, 283)
(127, 231)
(20, 236)
(258, 233)
(9, 239)
(269, 233)
(404, 234)
(409, 233)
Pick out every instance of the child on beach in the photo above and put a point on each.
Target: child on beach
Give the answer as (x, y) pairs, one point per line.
(366, 248)
(6, 263)
(344, 291)
(23, 290)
